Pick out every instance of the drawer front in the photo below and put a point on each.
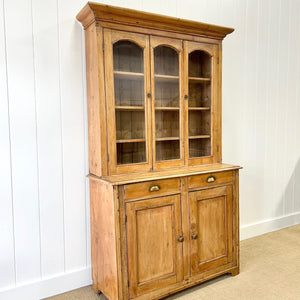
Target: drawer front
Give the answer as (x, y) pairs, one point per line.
(210, 179)
(152, 188)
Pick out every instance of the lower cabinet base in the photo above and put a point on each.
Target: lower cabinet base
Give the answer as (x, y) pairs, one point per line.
(180, 286)
(155, 238)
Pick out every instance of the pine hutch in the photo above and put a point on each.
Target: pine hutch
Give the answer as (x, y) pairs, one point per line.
(164, 208)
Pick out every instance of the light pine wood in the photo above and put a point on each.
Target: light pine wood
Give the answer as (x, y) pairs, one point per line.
(96, 102)
(198, 181)
(151, 222)
(97, 12)
(143, 190)
(211, 222)
(156, 177)
(103, 236)
(128, 165)
(161, 158)
(164, 174)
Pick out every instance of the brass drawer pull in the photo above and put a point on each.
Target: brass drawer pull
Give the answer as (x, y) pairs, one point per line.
(194, 236)
(154, 188)
(180, 239)
(210, 179)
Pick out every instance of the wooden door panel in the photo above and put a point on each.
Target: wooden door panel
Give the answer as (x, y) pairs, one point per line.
(167, 102)
(211, 228)
(154, 254)
(127, 79)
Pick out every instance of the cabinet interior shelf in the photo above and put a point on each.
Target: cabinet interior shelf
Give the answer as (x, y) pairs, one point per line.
(199, 108)
(129, 107)
(131, 141)
(166, 78)
(199, 79)
(128, 75)
(203, 136)
(161, 139)
(167, 108)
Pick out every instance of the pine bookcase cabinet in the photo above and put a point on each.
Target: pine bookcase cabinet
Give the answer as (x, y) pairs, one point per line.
(164, 208)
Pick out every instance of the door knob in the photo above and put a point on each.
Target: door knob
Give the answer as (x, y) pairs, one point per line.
(194, 236)
(180, 239)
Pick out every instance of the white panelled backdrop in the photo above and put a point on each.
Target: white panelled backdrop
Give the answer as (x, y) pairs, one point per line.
(44, 212)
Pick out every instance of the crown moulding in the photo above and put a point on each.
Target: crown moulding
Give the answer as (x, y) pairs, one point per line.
(95, 12)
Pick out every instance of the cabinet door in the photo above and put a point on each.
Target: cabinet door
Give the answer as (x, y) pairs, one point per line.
(153, 243)
(202, 90)
(127, 76)
(210, 228)
(167, 104)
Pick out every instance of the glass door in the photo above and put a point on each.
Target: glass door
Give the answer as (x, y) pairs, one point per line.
(129, 119)
(166, 61)
(201, 95)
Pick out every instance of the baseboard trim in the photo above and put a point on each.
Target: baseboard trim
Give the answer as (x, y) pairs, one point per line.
(48, 287)
(265, 226)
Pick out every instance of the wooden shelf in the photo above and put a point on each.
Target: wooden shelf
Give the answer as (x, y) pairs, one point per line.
(129, 75)
(131, 141)
(199, 79)
(199, 108)
(166, 78)
(167, 108)
(204, 136)
(167, 139)
(129, 107)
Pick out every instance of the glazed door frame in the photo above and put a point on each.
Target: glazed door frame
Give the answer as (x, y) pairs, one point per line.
(164, 205)
(175, 44)
(213, 200)
(142, 40)
(215, 108)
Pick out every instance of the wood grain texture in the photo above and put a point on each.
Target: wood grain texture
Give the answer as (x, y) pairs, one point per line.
(197, 181)
(211, 222)
(164, 174)
(104, 239)
(142, 190)
(96, 12)
(96, 101)
(155, 258)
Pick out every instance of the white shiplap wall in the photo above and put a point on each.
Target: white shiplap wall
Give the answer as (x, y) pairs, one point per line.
(44, 212)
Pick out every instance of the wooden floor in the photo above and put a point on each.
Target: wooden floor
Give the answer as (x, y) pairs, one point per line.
(270, 270)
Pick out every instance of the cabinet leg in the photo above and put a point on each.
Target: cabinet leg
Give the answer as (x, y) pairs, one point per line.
(235, 272)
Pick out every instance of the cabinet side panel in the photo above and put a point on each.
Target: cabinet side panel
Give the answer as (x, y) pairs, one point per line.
(236, 222)
(103, 239)
(96, 101)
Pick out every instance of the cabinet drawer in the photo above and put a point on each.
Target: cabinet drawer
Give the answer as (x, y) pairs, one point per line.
(210, 179)
(152, 188)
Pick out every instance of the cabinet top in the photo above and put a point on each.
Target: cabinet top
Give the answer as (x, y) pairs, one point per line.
(157, 175)
(95, 12)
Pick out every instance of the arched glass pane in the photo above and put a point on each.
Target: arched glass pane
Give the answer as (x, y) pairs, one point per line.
(128, 61)
(199, 116)
(128, 57)
(167, 107)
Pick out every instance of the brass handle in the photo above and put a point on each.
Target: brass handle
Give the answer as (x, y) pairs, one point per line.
(154, 188)
(180, 239)
(210, 179)
(194, 236)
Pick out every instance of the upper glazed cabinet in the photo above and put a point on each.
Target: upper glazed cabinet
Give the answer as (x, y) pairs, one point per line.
(162, 98)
